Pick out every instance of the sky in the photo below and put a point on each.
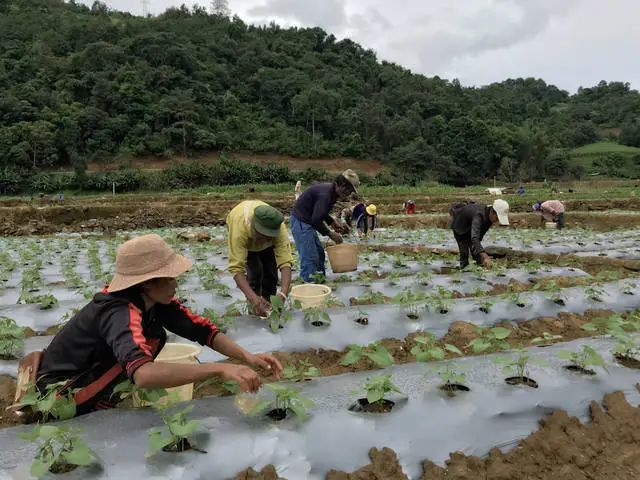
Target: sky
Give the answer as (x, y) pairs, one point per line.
(568, 43)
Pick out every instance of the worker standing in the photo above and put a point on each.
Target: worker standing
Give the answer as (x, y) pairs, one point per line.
(311, 214)
(470, 224)
(552, 211)
(259, 245)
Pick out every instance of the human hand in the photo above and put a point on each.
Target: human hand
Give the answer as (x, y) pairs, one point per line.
(486, 260)
(336, 237)
(266, 362)
(282, 295)
(260, 306)
(246, 378)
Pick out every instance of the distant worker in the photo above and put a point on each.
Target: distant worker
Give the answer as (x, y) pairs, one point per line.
(552, 211)
(521, 190)
(358, 212)
(311, 214)
(368, 221)
(470, 224)
(298, 189)
(258, 247)
(410, 207)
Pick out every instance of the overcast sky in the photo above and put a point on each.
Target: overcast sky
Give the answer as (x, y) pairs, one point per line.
(569, 43)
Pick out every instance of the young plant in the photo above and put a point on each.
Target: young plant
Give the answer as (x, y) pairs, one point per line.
(11, 338)
(55, 402)
(45, 302)
(452, 380)
(60, 449)
(316, 317)
(517, 364)
(626, 347)
(362, 318)
(555, 293)
(411, 302)
(286, 400)
(594, 292)
(629, 288)
(278, 316)
(223, 323)
(424, 277)
(441, 300)
(302, 372)
(546, 339)
(427, 349)
(485, 305)
(491, 339)
(517, 299)
(583, 359)
(372, 297)
(378, 387)
(612, 324)
(146, 396)
(375, 352)
(175, 435)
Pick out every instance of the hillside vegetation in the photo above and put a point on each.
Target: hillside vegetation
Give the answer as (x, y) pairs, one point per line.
(79, 84)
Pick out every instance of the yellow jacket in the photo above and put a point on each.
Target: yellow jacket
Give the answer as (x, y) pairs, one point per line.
(241, 242)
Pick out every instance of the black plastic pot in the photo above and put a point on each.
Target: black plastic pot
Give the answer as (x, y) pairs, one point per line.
(362, 320)
(381, 406)
(529, 382)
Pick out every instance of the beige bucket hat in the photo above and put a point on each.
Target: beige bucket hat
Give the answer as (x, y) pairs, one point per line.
(143, 258)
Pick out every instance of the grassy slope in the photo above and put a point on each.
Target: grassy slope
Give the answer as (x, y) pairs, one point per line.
(587, 154)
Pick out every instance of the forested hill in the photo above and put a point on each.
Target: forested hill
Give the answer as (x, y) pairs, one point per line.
(79, 83)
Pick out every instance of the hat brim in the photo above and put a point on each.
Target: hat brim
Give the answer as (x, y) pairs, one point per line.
(176, 267)
(503, 218)
(268, 232)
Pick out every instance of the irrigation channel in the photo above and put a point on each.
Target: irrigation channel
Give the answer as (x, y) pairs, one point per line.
(45, 279)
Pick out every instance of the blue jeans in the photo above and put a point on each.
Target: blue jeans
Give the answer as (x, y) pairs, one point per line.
(310, 250)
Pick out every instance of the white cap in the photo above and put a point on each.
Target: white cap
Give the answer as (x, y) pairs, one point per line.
(501, 208)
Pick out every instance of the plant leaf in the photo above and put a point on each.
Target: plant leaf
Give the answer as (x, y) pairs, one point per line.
(351, 357)
(453, 349)
(158, 440)
(80, 454)
(184, 430)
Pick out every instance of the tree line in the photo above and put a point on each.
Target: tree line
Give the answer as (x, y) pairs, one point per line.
(81, 83)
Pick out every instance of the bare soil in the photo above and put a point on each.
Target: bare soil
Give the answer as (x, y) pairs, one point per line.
(563, 448)
(267, 473)
(384, 466)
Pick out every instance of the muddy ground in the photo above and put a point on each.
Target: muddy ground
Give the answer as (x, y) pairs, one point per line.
(563, 448)
(109, 214)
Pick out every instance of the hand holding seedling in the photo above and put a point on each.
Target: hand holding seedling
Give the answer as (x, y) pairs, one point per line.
(245, 377)
(266, 362)
(260, 305)
(486, 260)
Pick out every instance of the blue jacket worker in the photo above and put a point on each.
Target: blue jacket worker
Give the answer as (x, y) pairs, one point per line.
(311, 214)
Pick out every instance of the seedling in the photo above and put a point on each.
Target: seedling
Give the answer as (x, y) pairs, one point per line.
(485, 305)
(317, 317)
(629, 289)
(301, 373)
(318, 277)
(626, 348)
(60, 449)
(375, 352)
(555, 293)
(491, 339)
(426, 349)
(441, 300)
(532, 267)
(584, 358)
(278, 316)
(411, 302)
(393, 278)
(517, 365)
(175, 435)
(372, 297)
(362, 318)
(45, 302)
(452, 380)
(286, 400)
(333, 301)
(208, 275)
(517, 299)
(237, 309)
(424, 277)
(378, 387)
(546, 339)
(594, 292)
(611, 325)
(222, 322)
(56, 402)
(145, 396)
(11, 338)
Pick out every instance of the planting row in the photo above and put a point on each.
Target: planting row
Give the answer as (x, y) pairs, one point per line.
(307, 429)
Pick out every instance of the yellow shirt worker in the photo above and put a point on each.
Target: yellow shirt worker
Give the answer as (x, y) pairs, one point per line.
(259, 246)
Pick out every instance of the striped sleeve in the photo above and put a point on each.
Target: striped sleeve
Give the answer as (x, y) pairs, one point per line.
(122, 331)
(178, 319)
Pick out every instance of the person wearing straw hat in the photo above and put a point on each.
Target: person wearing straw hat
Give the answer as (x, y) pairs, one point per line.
(311, 214)
(470, 223)
(259, 246)
(552, 211)
(121, 331)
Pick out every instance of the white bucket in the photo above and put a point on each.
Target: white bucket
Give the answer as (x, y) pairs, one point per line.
(176, 353)
(550, 225)
(311, 295)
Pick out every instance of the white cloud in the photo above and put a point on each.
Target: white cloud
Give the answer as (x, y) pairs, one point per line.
(566, 42)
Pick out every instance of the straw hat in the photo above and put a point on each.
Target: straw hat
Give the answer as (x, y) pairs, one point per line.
(143, 258)
(352, 178)
(372, 209)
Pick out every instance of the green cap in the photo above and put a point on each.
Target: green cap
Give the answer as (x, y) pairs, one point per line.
(267, 220)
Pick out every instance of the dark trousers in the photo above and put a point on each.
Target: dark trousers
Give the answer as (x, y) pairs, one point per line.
(262, 273)
(560, 221)
(464, 247)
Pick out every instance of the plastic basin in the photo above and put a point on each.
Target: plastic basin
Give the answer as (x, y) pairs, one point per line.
(311, 295)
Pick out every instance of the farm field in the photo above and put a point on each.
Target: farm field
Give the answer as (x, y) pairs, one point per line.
(409, 336)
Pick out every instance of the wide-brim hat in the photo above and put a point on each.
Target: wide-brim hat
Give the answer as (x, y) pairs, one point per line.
(372, 209)
(144, 258)
(501, 208)
(352, 178)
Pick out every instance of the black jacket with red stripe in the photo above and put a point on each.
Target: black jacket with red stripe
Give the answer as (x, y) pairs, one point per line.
(114, 329)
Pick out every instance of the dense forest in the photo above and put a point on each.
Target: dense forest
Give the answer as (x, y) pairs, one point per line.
(81, 83)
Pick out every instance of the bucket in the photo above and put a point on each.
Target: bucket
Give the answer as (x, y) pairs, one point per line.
(550, 225)
(311, 295)
(176, 353)
(343, 258)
